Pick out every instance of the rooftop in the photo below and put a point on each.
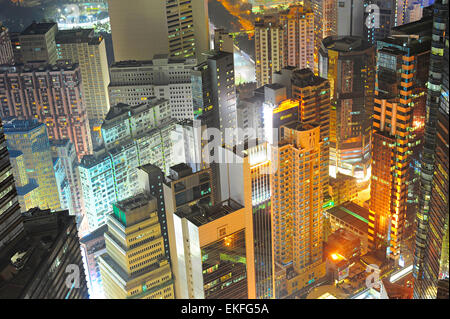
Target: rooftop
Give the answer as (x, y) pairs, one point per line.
(77, 36)
(99, 232)
(352, 214)
(345, 43)
(134, 202)
(200, 215)
(14, 125)
(305, 77)
(38, 28)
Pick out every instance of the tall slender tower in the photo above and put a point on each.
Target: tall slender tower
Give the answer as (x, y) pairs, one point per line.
(348, 63)
(431, 253)
(269, 43)
(142, 28)
(299, 45)
(6, 50)
(296, 190)
(399, 90)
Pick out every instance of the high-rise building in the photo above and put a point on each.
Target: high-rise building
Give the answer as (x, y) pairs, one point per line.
(65, 151)
(399, 89)
(27, 189)
(62, 184)
(11, 225)
(82, 46)
(133, 136)
(6, 50)
(214, 93)
(296, 190)
(223, 41)
(52, 94)
(260, 165)
(313, 92)
(135, 265)
(30, 137)
(378, 26)
(216, 238)
(134, 82)
(47, 262)
(37, 43)
(145, 28)
(432, 236)
(269, 45)
(349, 65)
(350, 18)
(299, 39)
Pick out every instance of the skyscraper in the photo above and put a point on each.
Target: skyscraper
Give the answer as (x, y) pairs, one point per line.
(431, 253)
(11, 225)
(6, 51)
(269, 45)
(145, 28)
(216, 238)
(296, 190)
(31, 139)
(214, 93)
(37, 43)
(52, 94)
(82, 46)
(27, 189)
(47, 262)
(381, 21)
(299, 39)
(223, 41)
(135, 265)
(399, 90)
(313, 92)
(349, 65)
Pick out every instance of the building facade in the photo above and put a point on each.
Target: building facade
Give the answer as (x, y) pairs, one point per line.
(82, 46)
(135, 265)
(52, 94)
(147, 28)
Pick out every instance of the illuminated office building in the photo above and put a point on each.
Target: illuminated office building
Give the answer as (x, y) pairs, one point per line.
(399, 89)
(53, 95)
(83, 47)
(27, 189)
(260, 165)
(134, 82)
(216, 238)
(432, 250)
(349, 65)
(299, 40)
(214, 92)
(6, 50)
(313, 92)
(30, 138)
(37, 43)
(11, 225)
(269, 45)
(378, 26)
(296, 192)
(145, 28)
(135, 265)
